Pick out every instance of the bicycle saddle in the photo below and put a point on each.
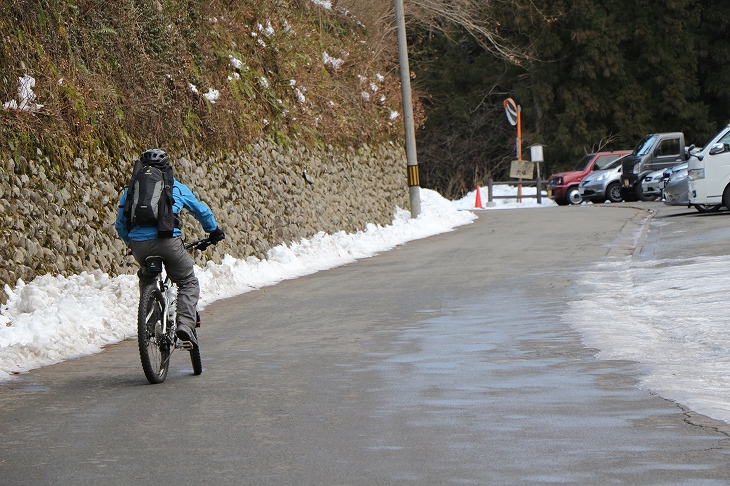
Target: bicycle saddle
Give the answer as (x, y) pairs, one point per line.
(154, 264)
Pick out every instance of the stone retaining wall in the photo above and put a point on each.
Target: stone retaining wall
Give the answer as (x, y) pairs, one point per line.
(62, 224)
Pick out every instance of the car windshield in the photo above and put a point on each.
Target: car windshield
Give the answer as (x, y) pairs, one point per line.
(614, 164)
(645, 145)
(725, 139)
(583, 164)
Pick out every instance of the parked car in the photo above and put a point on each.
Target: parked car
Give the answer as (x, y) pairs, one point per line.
(657, 151)
(603, 185)
(709, 172)
(676, 190)
(564, 187)
(652, 184)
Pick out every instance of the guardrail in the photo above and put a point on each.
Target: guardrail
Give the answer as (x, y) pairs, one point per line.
(538, 183)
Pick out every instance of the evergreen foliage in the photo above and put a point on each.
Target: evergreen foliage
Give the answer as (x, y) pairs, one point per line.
(598, 75)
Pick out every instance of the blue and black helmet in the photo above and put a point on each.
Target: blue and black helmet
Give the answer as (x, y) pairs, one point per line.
(155, 156)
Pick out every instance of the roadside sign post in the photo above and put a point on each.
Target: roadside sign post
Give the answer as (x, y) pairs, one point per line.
(522, 169)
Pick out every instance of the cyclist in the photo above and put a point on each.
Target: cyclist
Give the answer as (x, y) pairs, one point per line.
(144, 241)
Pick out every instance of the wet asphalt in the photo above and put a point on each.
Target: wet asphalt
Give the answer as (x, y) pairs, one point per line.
(443, 361)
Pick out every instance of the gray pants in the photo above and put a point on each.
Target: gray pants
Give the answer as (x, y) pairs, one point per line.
(179, 266)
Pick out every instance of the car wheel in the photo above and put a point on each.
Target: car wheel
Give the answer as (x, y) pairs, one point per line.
(726, 197)
(613, 192)
(574, 196)
(707, 208)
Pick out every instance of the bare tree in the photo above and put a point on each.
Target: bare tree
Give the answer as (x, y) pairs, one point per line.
(609, 139)
(473, 16)
(473, 148)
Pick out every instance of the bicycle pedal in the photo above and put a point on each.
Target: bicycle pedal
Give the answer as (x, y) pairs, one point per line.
(187, 345)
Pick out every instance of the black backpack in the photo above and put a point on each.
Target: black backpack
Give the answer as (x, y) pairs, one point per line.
(149, 198)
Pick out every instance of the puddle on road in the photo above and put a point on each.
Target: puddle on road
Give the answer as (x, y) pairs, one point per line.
(476, 349)
(501, 386)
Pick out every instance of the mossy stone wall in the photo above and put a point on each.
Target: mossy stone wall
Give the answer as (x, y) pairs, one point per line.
(61, 221)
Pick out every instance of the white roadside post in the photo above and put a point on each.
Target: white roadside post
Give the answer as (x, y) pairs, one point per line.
(536, 157)
(405, 81)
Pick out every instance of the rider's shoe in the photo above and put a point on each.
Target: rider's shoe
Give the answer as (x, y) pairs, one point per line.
(184, 333)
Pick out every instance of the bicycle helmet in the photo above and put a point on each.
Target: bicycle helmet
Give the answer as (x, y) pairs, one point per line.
(153, 156)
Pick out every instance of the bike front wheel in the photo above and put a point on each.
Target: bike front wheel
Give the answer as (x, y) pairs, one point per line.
(195, 359)
(195, 352)
(154, 346)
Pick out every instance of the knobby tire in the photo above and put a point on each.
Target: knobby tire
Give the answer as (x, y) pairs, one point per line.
(195, 359)
(195, 352)
(154, 347)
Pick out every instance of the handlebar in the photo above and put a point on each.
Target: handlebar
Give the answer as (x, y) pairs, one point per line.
(193, 245)
(199, 244)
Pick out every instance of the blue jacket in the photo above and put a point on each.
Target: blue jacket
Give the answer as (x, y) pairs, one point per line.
(184, 198)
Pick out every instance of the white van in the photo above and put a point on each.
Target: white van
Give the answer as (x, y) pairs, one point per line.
(709, 172)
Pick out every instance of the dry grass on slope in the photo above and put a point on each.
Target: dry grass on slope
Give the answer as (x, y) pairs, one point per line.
(124, 74)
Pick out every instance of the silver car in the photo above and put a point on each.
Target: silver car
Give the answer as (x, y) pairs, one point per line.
(653, 183)
(676, 190)
(603, 185)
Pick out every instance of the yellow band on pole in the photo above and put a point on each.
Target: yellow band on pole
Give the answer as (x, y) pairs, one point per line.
(413, 176)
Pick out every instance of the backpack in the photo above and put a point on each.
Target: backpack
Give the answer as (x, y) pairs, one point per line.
(149, 198)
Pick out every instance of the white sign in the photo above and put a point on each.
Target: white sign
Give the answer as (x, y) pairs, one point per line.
(536, 153)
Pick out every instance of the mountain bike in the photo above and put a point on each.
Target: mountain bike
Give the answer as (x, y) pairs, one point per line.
(156, 321)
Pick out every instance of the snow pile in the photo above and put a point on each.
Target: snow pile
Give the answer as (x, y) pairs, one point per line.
(26, 96)
(511, 202)
(55, 318)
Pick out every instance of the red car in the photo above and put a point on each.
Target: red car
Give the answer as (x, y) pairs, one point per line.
(563, 186)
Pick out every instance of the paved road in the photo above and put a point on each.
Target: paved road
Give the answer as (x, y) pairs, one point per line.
(444, 361)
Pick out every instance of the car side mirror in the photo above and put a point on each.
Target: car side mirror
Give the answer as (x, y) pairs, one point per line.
(717, 148)
(688, 152)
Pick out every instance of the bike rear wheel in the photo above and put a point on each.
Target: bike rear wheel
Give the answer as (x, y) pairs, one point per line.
(154, 346)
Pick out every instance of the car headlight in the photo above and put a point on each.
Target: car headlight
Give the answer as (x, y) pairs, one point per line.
(636, 167)
(695, 174)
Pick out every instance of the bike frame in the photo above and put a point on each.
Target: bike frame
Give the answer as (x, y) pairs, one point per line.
(157, 345)
(165, 285)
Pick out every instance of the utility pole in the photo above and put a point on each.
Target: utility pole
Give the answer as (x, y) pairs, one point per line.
(405, 81)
